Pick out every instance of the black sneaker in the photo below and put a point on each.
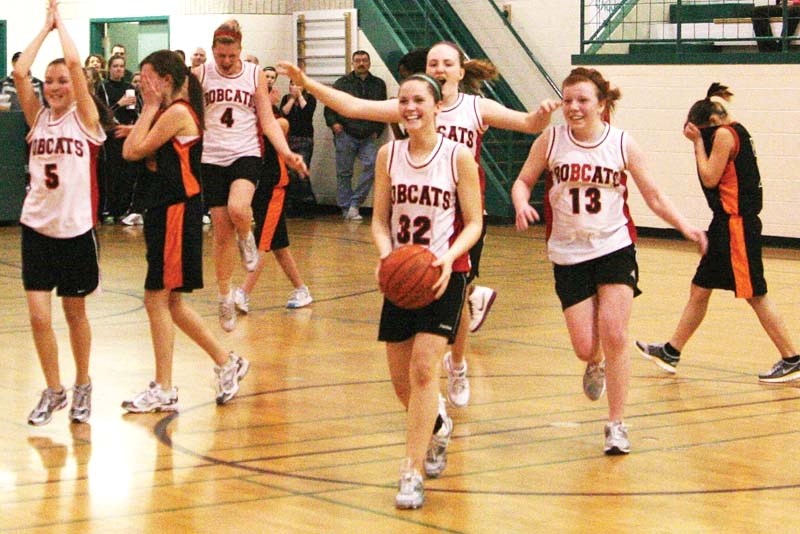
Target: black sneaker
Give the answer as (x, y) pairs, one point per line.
(656, 354)
(782, 371)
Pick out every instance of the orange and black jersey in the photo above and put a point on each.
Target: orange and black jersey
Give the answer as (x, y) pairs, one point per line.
(172, 174)
(739, 190)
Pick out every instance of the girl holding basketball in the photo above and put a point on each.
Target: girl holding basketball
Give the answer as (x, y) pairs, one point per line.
(59, 245)
(464, 118)
(729, 175)
(591, 237)
(168, 136)
(428, 166)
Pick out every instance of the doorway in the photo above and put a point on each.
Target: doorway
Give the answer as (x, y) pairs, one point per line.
(139, 36)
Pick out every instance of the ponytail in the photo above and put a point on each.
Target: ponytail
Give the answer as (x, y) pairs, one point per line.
(713, 104)
(196, 99)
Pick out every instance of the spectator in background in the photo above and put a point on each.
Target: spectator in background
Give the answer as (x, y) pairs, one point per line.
(93, 79)
(120, 176)
(298, 107)
(119, 50)
(763, 28)
(8, 87)
(274, 94)
(136, 82)
(356, 137)
(198, 57)
(181, 54)
(96, 62)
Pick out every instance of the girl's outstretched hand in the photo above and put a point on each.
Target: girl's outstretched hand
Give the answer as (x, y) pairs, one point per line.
(291, 70)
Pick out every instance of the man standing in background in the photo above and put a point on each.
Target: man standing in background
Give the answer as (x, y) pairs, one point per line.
(7, 86)
(354, 137)
(198, 57)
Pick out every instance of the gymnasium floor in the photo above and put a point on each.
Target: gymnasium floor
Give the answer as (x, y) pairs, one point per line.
(314, 440)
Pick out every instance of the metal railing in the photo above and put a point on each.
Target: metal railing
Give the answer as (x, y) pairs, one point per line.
(521, 42)
(613, 26)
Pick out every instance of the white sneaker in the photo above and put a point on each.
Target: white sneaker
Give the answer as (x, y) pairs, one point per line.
(299, 298)
(228, 377)
(410, 489)
(81, 407)
(480, 302)
(436, 457)
(248, 251)
(353, 214)
(227, 313)
(457, 383)
(132, 219)
(241, 300)
(153, 399)
(617, 441)
(49, 402)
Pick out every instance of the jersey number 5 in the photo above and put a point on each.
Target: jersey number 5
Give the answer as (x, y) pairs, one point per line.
(592, 195)
(422, 226)
(51, 175)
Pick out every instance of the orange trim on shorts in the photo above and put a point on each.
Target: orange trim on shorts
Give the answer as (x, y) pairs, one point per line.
(173, 246)
(274, 209)
(739, 263)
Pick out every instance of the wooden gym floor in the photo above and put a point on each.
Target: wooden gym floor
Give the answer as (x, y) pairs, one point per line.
(314, 440)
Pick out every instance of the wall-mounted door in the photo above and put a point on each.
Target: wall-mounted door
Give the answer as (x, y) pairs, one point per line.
(140, 36)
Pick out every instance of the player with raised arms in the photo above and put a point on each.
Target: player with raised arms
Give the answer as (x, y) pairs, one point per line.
(59, 245)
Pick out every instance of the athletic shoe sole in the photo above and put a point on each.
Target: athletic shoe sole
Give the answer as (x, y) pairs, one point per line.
(658, 361)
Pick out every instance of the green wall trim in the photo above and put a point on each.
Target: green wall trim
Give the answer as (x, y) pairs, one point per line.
(682, 58)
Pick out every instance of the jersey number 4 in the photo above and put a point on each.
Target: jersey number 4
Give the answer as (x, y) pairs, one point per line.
(227, 117)
(422, 227)
(592, 195)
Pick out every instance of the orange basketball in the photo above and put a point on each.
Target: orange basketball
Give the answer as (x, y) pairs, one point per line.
(406, 277)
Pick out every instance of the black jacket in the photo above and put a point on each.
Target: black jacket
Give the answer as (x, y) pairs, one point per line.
(370, 88)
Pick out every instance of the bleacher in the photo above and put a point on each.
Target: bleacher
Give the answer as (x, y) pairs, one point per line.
(714, 25)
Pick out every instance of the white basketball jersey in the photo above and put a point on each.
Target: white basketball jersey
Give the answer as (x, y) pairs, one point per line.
(425, 207)
(586, 196)
(230, 114)
(62, 197)
(463, 123)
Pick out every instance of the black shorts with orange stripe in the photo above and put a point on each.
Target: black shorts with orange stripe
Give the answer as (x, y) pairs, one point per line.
(733, 260)
(173, 236)
(269, 204)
